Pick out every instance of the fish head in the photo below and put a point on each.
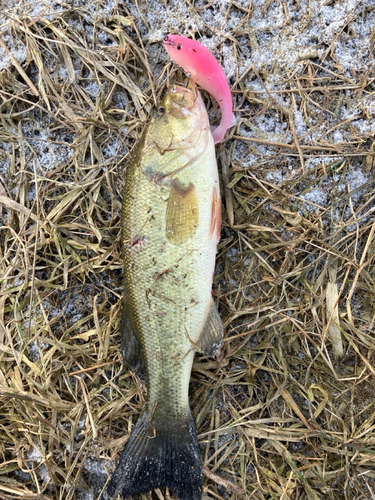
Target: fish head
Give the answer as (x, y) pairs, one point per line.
(180, 118)
(181, 102)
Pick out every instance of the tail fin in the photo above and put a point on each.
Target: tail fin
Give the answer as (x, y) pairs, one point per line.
(160, 453)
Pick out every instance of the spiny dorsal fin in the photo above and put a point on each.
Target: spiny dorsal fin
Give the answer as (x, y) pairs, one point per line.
(182, 213)
(212, 337)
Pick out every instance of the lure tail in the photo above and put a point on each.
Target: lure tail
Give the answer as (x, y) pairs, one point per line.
(163, 452)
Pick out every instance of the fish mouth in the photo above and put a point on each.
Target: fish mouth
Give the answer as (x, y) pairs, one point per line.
(184, 97)
(180, 88)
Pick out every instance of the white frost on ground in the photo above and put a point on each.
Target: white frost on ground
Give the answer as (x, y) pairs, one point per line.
(355, 179)
(95, 475)
(34, 352)
(299, 122)
(35, 458)
(17, 50)
(11, 9)
(316, 197)
(275, 176)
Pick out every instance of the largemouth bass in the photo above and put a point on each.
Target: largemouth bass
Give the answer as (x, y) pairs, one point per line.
(171, 227)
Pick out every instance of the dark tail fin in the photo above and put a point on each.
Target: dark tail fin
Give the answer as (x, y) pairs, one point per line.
(160, 453)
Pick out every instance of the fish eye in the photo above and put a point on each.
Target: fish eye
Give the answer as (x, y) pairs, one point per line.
(161, 110)
(179, 46)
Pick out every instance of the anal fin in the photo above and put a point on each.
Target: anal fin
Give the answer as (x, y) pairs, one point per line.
(211, 339)
(131, 345)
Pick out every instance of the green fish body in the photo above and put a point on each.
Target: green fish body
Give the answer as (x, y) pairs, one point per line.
(171, 227)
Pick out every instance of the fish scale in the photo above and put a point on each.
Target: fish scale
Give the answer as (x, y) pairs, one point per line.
(180, 297)
(170, 214)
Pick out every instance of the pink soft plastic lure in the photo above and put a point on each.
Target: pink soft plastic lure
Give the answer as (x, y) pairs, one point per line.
(201, 65)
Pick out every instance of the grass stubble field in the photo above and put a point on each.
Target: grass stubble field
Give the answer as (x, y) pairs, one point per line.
(287, 411)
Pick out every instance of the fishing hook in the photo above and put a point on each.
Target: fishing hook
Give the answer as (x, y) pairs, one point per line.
(168, 41)
(186, 73)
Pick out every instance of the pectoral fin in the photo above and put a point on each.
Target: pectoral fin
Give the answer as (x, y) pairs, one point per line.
(212, 336)
(182, 213)
(131, 345)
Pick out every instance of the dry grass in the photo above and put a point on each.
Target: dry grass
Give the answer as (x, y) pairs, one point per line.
(287, 412)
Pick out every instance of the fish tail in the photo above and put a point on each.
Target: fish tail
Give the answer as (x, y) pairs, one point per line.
(160, 452)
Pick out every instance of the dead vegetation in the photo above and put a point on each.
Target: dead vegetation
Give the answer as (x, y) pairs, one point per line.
(287, 411)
